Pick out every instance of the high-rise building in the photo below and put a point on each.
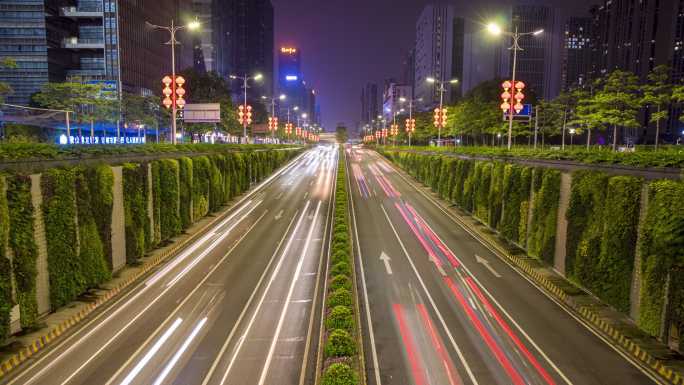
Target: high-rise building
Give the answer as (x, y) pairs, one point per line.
(85, 40)
(251, 42)
(576, 51)
(204, 40)
(439, 53)
(408, 69)
(637, 38)
(539, 62)
(370, 103)
(391, 98)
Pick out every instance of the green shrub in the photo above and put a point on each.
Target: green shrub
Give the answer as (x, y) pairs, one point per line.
(201, 180)
(59, 212)
(661, 247)
(169, 198)
(135, 211)
(340, 281)
(494, 198)
(185, 191)
(544, 216)
(340, 317)
(515, 194)
(340, 297)
(100, 181)
(91, 252)
(340, 268)
(340, 256)
(481, 188)
(23, 246)
(339, 374)
(5, 266)
(156, 193)
(339, 344)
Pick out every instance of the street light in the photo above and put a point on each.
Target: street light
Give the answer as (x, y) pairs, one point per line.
(410, 122)
(245, 79)
(273, 120)
(172, 29)
(442, 112)
(572, 133)
(494, 29)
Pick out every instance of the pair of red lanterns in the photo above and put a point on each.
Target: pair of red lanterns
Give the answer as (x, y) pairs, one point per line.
(173, 91)
(518, 97)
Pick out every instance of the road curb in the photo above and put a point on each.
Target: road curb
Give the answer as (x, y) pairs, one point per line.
(40, 343)
(656, 367)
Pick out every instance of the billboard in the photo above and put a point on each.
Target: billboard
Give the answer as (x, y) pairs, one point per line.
(202, 113)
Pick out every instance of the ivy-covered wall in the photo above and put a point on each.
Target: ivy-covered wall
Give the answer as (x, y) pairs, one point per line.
(6, 302)
(662, 250)
(23, 246)
(522, 203)
(77, 211)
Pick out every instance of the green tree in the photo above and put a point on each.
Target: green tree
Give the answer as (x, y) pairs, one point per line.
(657, 92)
(87, 101)
(617, 102)
(549, 118)
(6, 89)
(210, 87)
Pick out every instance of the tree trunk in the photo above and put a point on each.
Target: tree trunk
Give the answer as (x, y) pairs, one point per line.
(588, 137)
(657, 129)
(614, 137)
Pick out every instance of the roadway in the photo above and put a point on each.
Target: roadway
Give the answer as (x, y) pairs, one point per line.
(240, 305)
(438, 307)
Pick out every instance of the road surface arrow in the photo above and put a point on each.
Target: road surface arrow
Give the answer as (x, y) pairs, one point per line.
(486, 264)
(280, 215)
(386, 260)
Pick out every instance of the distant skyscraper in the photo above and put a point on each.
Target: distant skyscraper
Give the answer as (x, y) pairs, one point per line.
(481, 56)
(408, 69)
(436, 52)
(391, 102)
(251, 42)
(539, 62)
(370, 103)
(204, 40)
(576, 51)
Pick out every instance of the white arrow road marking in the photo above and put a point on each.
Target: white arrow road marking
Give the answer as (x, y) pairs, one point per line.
(486, 264)
(386, 260)
(438, 266)
(279, 196)
(280, 215)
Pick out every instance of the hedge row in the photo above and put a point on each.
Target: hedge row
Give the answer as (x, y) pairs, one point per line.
(160, 199)
(340, 346)
(521, 203)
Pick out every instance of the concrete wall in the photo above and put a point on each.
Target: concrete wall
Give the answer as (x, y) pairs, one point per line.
(43, 278)
(562, 222)
(118, 222)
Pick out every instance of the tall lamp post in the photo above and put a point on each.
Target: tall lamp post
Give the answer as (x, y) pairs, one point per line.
(246, 79)
(494, 29)
(410, 122)
(273, 120)
(172, 29)
(442, 112)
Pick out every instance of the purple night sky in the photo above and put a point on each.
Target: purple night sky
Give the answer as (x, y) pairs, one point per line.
(347, 43)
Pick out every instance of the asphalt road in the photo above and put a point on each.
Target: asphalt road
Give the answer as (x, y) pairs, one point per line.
(439, 308)
(239, 306)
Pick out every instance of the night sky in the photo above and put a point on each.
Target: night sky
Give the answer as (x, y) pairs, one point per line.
(347, 43)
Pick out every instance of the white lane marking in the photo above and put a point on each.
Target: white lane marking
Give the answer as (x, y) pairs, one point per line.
(110, 316)
(485, 263)
(371, 333)
(249, 302)
(279, 215)
(199, 258)
(510, 318)
(263, 296)
(386, 260)
(179, 353)
(271, 350)
(173, 313)
(155, 348)
(432, 302)
(186, 253)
